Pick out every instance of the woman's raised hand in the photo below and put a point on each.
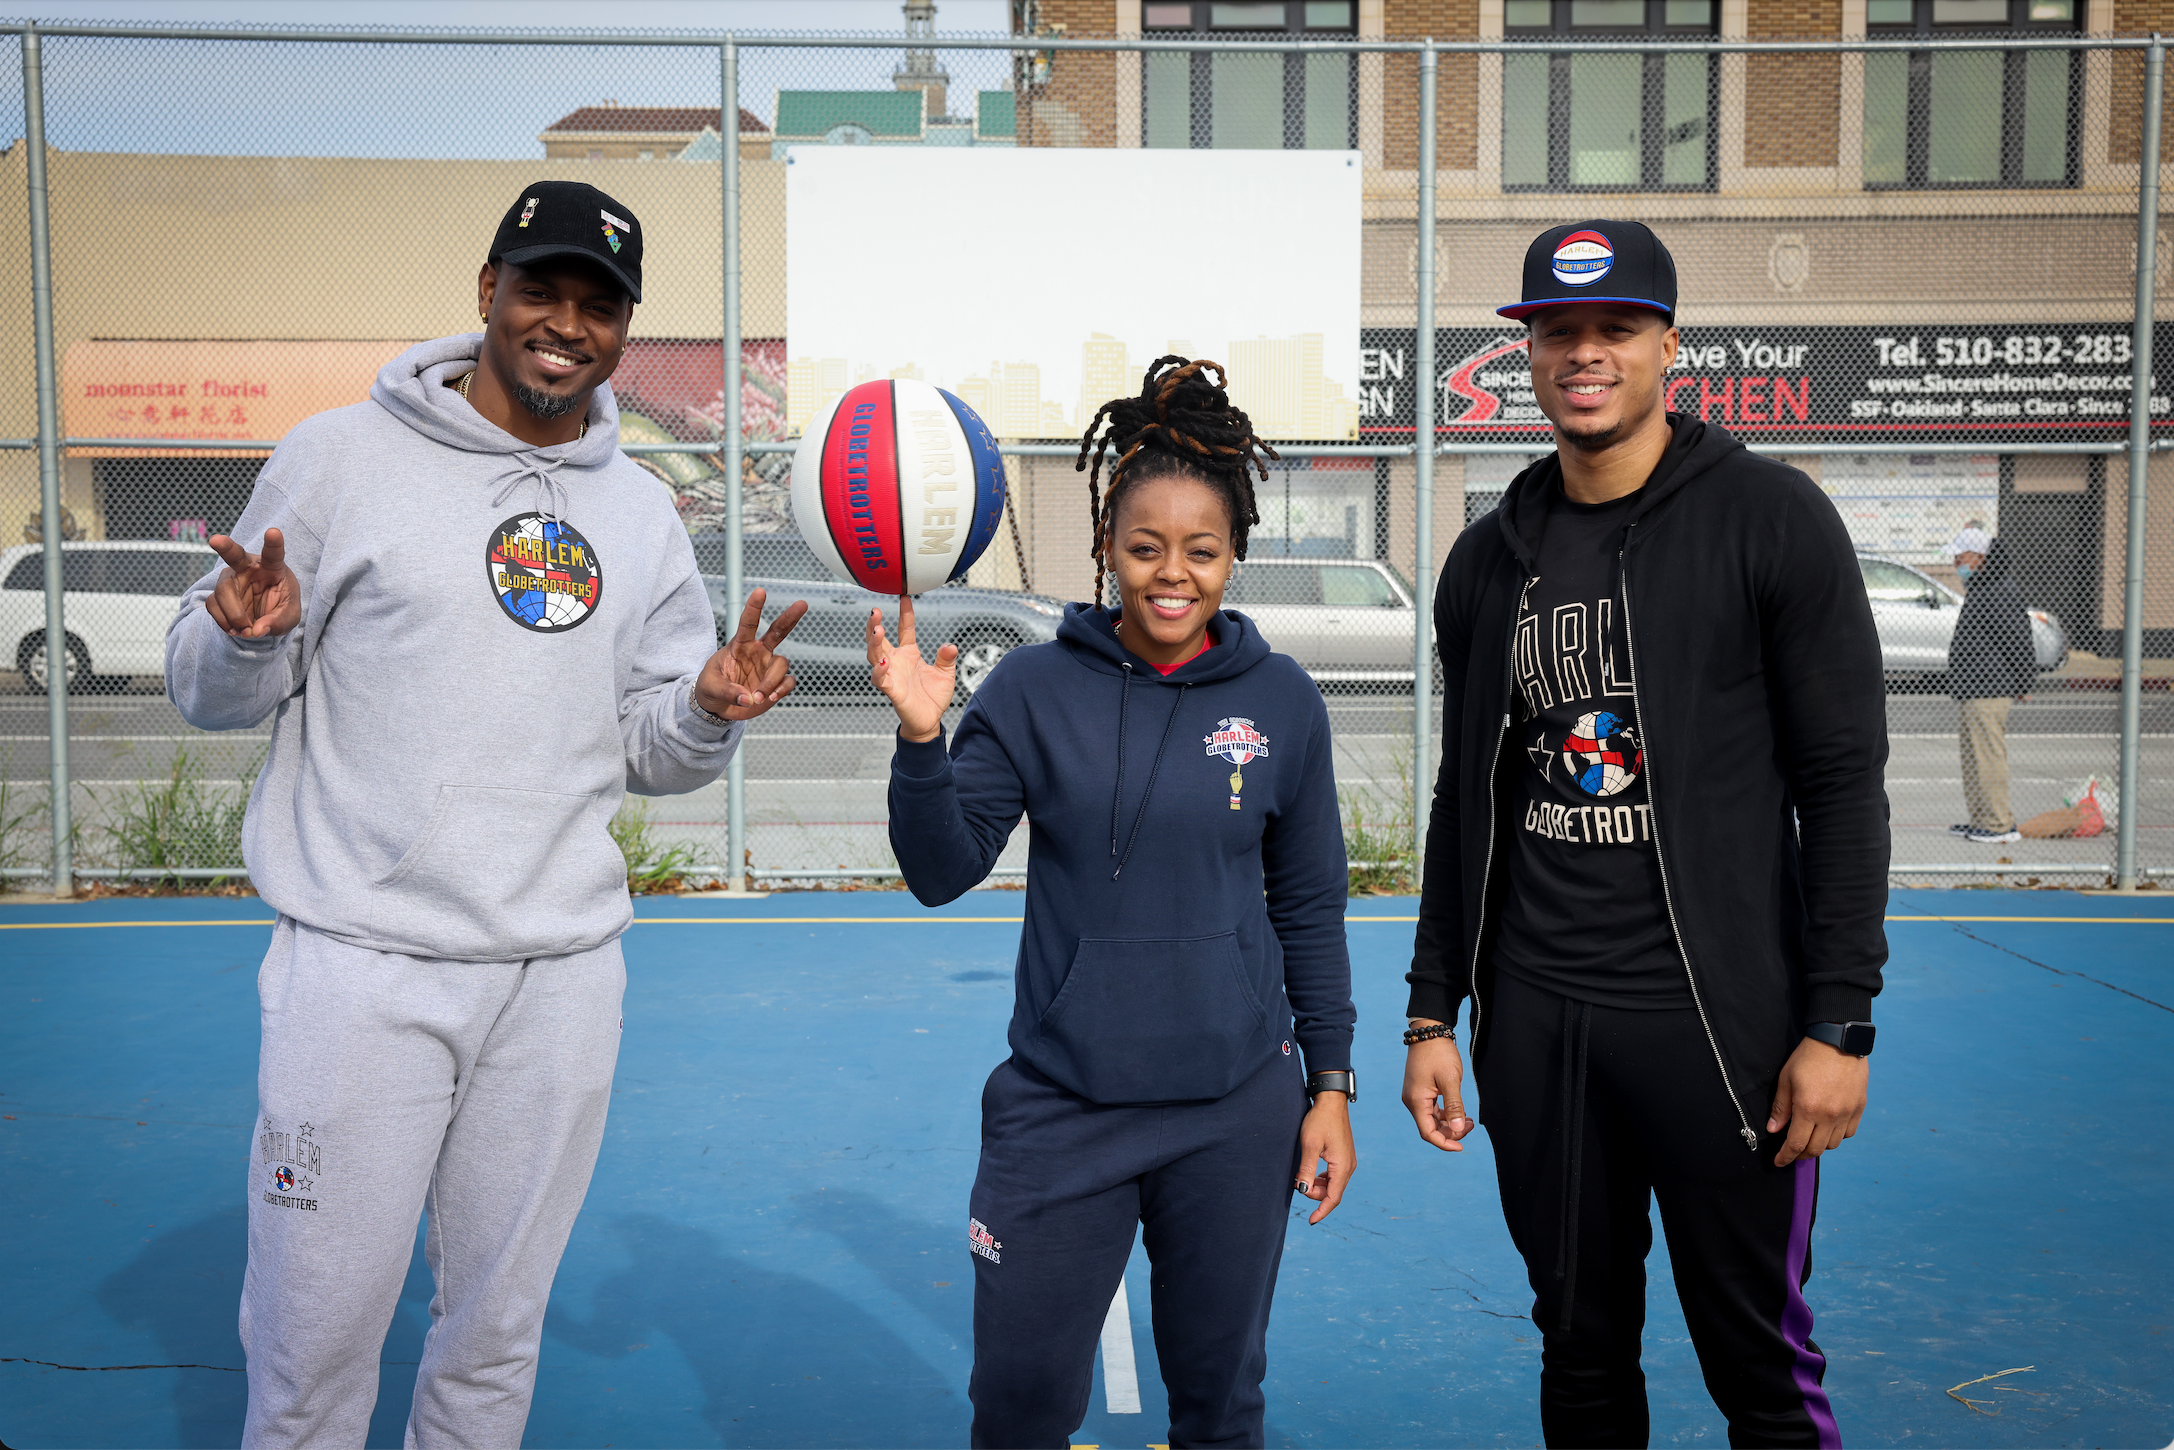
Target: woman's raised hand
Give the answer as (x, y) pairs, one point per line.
(919, 691)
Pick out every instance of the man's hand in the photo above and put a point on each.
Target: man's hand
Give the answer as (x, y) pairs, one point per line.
(257, 595)
(1325, 1138)
(748, 676)
(1821, 1098)
(1434, 1090)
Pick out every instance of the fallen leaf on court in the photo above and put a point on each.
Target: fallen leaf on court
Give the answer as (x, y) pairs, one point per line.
(1978, 1406)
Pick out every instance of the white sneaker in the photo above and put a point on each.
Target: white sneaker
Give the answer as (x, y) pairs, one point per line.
(1993, 838)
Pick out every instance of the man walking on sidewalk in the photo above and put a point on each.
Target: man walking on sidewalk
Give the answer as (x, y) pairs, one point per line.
(441, 1003)
(1656, 863)
(1991, 663)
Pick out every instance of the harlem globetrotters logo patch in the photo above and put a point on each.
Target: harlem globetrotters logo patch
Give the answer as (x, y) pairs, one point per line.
(545, 574)
(291, 1163)
(1237, 741)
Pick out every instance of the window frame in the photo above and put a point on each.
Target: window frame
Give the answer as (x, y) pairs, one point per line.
(1917, 100)
(1200, 81)
(1652, 140)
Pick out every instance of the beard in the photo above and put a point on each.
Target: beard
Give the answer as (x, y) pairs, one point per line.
(546, 405)
(1592, 440)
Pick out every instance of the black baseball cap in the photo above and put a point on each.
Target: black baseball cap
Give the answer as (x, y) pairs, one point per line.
(1597, 261)
(572, 219)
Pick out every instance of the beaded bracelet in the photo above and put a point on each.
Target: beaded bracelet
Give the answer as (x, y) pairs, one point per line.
(1413, 1036)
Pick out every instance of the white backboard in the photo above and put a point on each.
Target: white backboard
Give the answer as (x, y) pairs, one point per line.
(1038, 282)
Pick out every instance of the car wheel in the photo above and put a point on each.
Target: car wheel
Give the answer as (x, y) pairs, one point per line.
(978, 654)
(31, 660)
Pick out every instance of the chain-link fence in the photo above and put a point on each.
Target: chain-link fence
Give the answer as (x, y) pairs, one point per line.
(1908, 267)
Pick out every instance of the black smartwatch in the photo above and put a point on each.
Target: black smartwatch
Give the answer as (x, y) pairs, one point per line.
(1853, 1038)
(1343, 1081)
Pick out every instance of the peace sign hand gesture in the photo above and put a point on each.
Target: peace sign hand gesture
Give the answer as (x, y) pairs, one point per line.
(919, 691)
(257, 595)
(748, 676)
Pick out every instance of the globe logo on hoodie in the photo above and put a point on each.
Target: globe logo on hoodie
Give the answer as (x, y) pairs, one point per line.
(544, 573)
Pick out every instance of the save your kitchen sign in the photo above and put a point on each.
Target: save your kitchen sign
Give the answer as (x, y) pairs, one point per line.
(1868, 387)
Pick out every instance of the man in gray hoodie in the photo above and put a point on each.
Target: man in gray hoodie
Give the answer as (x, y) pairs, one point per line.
(441, 1002)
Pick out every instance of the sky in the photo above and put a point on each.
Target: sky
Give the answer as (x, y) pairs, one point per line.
(233, 98)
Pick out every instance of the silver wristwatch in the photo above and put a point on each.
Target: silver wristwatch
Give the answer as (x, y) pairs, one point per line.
(696, 706)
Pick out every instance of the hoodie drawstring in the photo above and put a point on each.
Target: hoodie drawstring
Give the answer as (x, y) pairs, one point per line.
(551, 495)
(1117, 797)
(1155, 770)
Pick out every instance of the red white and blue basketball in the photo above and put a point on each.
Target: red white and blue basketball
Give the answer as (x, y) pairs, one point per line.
(898, 487)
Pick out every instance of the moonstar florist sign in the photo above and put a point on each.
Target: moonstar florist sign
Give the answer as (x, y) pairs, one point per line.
(205, 391)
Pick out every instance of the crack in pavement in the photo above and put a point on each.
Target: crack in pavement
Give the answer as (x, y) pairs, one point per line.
(103, 1368)
(2058, 971)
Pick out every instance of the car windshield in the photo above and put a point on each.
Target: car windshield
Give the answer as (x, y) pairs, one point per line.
(762, 556)
(165, 573)
(1889, 582)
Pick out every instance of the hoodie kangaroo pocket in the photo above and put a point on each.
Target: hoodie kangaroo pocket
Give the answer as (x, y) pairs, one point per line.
(1153, 1021)
(500, 848)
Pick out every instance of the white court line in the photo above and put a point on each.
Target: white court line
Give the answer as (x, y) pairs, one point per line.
(1120, 1374)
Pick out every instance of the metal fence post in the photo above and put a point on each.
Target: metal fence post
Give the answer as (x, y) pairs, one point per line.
(2132, 587)
(56, 628)
(728, 133)
(1423, 475)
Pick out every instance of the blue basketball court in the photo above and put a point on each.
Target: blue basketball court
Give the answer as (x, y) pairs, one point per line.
(774, 1253)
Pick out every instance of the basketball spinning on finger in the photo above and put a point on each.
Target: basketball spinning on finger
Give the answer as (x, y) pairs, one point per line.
(898, 486)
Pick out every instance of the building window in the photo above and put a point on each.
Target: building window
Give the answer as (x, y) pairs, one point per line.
(1608, 122)
(1971, 118)
(1259, 102)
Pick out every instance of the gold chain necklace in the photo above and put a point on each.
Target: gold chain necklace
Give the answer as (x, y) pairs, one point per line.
(469, 376)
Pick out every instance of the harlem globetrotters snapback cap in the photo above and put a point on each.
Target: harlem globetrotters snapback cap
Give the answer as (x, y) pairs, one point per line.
(1597, 261)
(572, 219)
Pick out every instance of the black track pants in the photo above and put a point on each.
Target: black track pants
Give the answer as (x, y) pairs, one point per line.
(1063, 1187)
(1590, 1111)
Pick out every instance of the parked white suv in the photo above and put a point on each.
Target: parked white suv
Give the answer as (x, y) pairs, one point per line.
(119, 597)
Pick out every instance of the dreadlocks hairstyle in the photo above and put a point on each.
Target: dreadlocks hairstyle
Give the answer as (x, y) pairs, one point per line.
(1180, 423)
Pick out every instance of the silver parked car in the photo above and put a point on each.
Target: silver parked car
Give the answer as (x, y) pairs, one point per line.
(829, 649)
(1916, 615)
(1348, 621)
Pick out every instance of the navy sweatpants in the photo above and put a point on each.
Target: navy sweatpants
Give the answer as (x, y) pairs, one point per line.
(1063, 1184)
(1592, 1112)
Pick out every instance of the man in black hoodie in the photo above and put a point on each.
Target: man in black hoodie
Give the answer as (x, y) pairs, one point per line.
(1991, 661)
(1656, 862)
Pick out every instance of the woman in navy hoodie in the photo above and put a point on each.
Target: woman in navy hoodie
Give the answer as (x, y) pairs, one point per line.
(1185, 901)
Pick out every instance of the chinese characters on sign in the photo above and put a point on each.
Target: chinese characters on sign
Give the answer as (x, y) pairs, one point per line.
(207, 391)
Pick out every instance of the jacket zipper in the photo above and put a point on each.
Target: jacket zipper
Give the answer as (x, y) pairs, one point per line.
(1487, 871)
(1653, 814)
(1487, 864)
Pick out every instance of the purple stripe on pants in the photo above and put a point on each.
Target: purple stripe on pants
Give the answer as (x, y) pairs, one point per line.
(1796, 1315)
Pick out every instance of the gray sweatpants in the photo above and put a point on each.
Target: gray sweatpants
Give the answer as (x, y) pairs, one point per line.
(385, 1081)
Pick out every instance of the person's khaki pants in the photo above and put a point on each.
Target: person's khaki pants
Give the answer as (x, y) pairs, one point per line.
(1983, 735)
